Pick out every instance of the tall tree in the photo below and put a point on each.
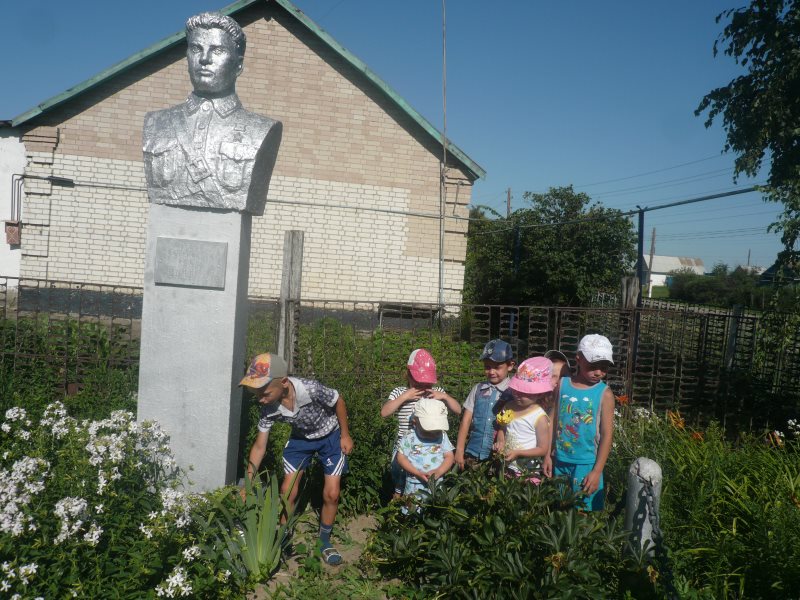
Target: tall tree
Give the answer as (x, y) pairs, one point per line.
(558, 251)
(760, 109)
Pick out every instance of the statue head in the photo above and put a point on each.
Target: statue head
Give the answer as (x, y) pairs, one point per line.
(215, 52)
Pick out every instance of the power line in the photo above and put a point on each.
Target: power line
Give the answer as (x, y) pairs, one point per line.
(692, 162)
(666, 183)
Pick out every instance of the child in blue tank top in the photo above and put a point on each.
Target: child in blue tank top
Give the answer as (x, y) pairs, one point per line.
(585, 421)
(478, 412)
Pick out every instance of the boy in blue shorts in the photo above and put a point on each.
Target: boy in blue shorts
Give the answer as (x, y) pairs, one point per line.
(478, 416)
(585, 425)
(318, 417)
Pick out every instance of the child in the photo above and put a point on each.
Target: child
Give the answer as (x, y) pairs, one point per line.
(319, 427)
(525, 433)
(585, 424)
(421, 375)
(425, 451)
(478, 417)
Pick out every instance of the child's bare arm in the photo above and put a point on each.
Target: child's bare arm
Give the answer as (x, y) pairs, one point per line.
(446, 465)
(341, 415)
(461, 440)
(390, 406)
(406, 465)
(449, 401)
(547, 463)
(500, 441)
(592, 481)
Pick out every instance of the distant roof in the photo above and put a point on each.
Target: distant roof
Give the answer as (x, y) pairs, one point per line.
(473, 168)
(665, 264)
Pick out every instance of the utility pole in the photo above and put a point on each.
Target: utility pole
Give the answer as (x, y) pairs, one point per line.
(650, 265)
(508, 203)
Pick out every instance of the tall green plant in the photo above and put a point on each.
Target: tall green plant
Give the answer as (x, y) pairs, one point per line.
(247, 536)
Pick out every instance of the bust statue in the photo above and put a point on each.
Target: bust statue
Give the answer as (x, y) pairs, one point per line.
(209, 152)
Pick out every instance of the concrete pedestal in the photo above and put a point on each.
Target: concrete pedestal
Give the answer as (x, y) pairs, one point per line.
(194, 327)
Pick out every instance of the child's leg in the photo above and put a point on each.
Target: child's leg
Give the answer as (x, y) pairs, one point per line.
(297, 454)
(398, 478)
(334, 464)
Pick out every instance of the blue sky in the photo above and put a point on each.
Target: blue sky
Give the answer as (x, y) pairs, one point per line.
(600, 95)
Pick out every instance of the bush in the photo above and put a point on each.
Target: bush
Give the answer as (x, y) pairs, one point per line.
(91, 507)
(488, 536)
(730, 510)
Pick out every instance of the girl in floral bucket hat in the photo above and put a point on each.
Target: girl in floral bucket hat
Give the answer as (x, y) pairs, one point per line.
(421, 377)
(524, 426)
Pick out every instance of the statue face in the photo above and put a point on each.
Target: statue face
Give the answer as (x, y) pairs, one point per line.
(213, 62)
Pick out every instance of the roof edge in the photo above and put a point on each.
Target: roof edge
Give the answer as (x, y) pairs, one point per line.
(474, 168)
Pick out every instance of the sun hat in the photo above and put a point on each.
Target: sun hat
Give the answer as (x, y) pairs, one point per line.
(595, 347)
(498, 351)
(533, 376)
(422, 366)
(432, 414)
(558, 355)
(263, 369)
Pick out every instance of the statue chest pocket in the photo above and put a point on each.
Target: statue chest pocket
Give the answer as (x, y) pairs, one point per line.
(235, 164)
(162, 162)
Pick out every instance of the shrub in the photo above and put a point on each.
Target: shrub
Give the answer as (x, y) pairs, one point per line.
(488, 536)
(87, 507)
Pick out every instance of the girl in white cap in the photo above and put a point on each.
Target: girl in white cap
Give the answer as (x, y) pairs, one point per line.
(421, 375)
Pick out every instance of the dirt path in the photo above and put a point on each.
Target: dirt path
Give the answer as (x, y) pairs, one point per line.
(350, 542)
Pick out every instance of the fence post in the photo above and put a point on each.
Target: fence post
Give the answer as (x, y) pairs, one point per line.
(642, 504)
(290, 295)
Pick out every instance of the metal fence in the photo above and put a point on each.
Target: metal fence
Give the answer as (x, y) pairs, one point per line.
(708, 364)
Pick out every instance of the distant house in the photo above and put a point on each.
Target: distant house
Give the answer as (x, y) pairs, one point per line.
(358, 171)
(663, 265)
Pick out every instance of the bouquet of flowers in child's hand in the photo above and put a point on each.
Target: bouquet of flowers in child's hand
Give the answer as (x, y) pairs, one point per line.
(505, 417)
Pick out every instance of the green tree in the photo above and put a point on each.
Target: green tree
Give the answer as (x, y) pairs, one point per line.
(558, 251)
(760, 109)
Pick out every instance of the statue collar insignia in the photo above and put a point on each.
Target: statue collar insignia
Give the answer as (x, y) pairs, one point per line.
(223, 106)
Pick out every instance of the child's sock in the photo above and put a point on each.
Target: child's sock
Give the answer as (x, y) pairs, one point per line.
(325, 534)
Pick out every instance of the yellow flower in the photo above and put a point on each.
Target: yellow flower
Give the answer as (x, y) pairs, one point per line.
(505, 417)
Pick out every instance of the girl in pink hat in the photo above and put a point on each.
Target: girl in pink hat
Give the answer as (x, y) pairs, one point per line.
(421, 375)
(524, 427)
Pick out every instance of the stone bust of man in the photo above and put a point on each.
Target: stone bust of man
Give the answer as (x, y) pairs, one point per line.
(209, 152)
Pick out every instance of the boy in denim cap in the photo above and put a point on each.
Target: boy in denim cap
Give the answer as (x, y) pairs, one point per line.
(477, 421)
(318, 417)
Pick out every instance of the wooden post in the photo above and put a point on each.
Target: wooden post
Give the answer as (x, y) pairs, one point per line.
(290, 295)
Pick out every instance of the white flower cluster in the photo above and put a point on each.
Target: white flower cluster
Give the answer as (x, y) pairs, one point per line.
(107, 438)
(176, 584)
(24, 573)
(17, 487)
(177, 504)
(794, 427)
(191, 553)
(153, 447)
(55, 417)
(17, 419)
(71, 511)
(643, 414)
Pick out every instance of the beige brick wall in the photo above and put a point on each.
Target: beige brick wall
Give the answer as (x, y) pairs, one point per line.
(343, 144)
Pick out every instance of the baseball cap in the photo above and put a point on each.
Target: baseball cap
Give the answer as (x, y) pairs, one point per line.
(557, 355)
(595, 347)
(422, 366)
(432, 414)
(263, 369)
(533, 376)
(498, 351)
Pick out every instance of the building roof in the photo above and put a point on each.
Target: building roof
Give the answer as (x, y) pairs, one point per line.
(473, 169)
(665, 264)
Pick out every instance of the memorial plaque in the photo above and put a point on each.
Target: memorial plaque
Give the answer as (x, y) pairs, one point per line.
(194, 263)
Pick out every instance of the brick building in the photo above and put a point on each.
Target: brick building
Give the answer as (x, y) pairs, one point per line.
(358, 170)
